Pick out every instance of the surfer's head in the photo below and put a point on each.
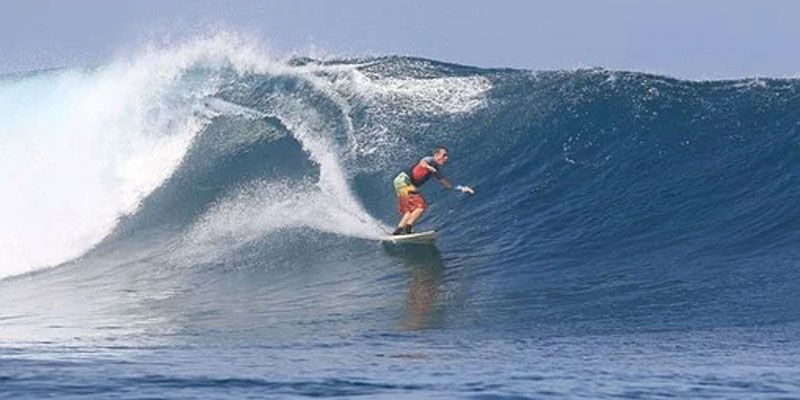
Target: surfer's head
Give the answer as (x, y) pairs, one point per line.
(440, 155)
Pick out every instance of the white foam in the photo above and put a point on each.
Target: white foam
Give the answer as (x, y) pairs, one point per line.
(435, 96)
(262, 207)
(82, 148)
(326, 205)
(389, 101)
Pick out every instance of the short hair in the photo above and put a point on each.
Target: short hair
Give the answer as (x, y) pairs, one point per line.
(439, 149)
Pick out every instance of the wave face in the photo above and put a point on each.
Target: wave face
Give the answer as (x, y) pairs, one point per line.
(210, 193)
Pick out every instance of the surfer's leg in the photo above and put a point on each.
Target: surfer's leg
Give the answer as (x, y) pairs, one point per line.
(418, 207)
(414, 216)
(405, 202)
(401, 227)
(410, 203)
(404, 220)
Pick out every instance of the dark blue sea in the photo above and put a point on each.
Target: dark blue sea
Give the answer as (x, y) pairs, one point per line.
(204, 222)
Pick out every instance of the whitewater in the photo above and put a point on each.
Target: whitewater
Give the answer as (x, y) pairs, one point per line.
(203, 220)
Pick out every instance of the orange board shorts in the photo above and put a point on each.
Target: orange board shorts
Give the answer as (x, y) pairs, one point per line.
(408, 198)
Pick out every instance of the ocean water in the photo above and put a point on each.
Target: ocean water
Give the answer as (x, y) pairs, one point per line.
(203, 221)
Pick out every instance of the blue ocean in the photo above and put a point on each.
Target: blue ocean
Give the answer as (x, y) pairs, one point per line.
(204, 221)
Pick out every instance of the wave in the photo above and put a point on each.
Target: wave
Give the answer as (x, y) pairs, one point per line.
(613, 194)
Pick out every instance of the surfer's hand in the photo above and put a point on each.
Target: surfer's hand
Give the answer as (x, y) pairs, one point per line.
(466, 189)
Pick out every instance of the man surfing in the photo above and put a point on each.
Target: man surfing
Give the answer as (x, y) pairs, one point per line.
(409, 200)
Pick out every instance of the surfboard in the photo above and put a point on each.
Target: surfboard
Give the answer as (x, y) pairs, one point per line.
(421, 237)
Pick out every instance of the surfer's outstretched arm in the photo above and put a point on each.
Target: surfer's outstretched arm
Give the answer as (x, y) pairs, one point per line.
(449, 185)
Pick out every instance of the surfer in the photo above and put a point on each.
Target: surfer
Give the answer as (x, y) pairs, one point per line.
(410, 201)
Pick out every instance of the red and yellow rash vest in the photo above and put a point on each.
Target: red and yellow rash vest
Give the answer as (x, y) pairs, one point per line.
(420, 174)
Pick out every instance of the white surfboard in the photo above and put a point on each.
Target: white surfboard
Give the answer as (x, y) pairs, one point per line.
(421, 237)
